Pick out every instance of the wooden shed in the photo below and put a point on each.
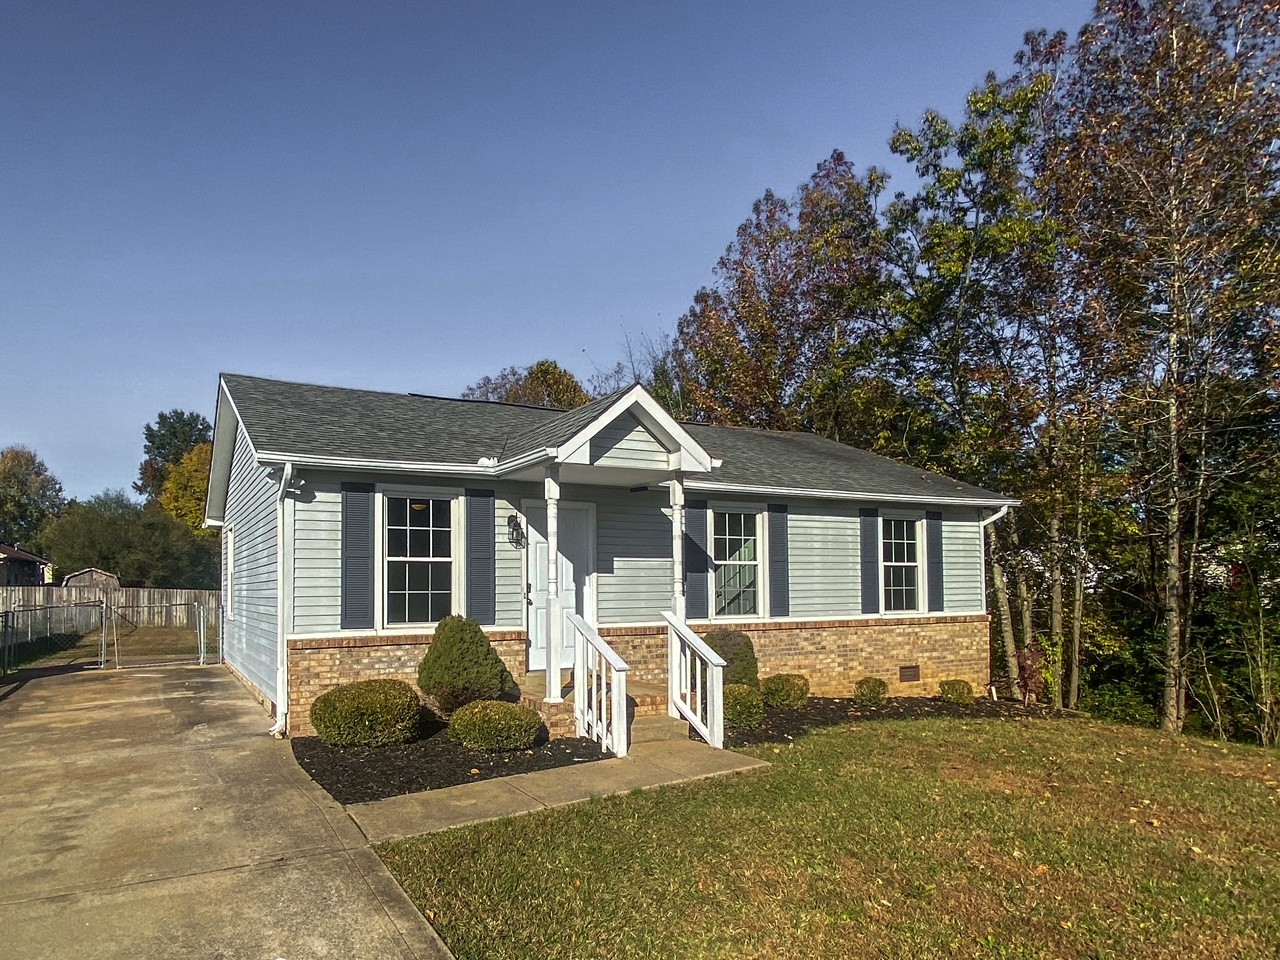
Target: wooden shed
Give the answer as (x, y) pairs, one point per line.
(91, 577)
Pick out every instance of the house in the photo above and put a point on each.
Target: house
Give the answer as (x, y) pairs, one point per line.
(21, 569)
(352, 521)
(92, 577)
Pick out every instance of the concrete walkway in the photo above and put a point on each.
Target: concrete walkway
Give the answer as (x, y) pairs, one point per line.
(648, 765)
(145, 814)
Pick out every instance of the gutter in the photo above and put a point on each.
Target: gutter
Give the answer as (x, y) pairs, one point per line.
(282, 646)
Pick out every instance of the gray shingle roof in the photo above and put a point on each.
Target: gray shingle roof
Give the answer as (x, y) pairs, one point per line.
(302, 421)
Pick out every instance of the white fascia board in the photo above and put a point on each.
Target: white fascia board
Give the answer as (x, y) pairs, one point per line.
(649, 412)
(710, 486)
(274, 458)
(224, 448)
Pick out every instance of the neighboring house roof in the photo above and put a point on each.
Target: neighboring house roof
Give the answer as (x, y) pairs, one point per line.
(304, 423)
(8, 552)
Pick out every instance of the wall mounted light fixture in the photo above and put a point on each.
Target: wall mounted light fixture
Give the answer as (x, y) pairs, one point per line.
(515, 531)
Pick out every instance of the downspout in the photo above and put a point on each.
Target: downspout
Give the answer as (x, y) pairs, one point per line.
(995, 516)
(282, 646)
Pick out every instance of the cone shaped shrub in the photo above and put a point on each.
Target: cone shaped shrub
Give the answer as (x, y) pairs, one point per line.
(739, 656)
(367, 713)
(461, 666)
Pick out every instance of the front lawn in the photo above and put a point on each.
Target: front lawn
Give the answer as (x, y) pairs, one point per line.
(989, 838)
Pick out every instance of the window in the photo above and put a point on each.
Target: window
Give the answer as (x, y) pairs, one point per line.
(901, 546)
(418, 540)
(735, 550)
(229, 538)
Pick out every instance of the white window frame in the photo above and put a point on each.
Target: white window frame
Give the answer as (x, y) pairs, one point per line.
(229, 573)
(916, 519)
(457, 544)
(758, 510)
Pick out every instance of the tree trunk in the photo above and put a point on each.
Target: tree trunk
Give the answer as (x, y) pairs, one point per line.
(1055, 599)
(1002, 612)
(1171, 708)
(1023, 592)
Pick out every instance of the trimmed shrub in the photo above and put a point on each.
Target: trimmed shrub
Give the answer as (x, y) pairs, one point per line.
(956, 691)
(739, 656)
(784, 691)
(743, 707)
(871, 691)
(461, 666)
(367, 713)
(495, 725)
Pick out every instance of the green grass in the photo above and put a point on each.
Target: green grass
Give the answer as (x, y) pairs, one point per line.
(911, 839)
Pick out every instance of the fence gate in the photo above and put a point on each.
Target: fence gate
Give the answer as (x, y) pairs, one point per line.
(55, 636)
(160, 634)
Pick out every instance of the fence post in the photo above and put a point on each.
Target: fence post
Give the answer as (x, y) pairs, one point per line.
(200, 629)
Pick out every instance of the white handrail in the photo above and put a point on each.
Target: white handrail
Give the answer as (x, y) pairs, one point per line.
(599, 688)
(695, 641)
(695, 681)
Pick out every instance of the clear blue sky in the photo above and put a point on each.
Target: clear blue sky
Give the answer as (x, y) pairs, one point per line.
(407, 196)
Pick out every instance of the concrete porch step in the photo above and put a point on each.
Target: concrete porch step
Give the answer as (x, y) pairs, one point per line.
(644, 700)
(655, 729)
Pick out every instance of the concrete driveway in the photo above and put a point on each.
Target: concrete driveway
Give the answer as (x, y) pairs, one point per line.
(147, 814)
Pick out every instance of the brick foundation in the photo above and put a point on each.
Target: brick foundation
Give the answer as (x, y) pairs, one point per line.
(833, 654)
(836, 654)
(319, 664)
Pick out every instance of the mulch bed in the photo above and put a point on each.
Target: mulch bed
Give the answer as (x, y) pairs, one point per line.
(361, 774)
(781, 726)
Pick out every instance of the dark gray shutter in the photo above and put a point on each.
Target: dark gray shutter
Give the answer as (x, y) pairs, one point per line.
(697, 565)
(933, 556)
(779, 562)
(869, 542)
(481, 559)
(357, 556)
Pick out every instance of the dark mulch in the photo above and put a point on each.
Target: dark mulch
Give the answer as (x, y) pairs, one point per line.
(361, 774)
(817, 712)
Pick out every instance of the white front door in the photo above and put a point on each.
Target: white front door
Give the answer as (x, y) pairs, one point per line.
(576, 535)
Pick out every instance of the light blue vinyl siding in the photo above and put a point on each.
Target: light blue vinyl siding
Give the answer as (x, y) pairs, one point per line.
(962, 563)
(824, 560)
(633, 557)
(317, 567)
(625, 443)
(509, 567)
(249, 640)
(317, 559)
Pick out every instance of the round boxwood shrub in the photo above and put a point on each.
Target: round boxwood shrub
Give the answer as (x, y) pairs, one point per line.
(743, 706)
(870, 691)
(739, 656)
(495, 725)
(367, 713)
(461, 666)
(784, 691)
(956, 691)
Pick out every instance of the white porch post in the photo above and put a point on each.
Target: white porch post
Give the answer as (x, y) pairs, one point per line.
(555, 618)
(677, 546)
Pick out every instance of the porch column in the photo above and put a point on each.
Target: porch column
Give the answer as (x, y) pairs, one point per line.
(677, 546)
(555, 618)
